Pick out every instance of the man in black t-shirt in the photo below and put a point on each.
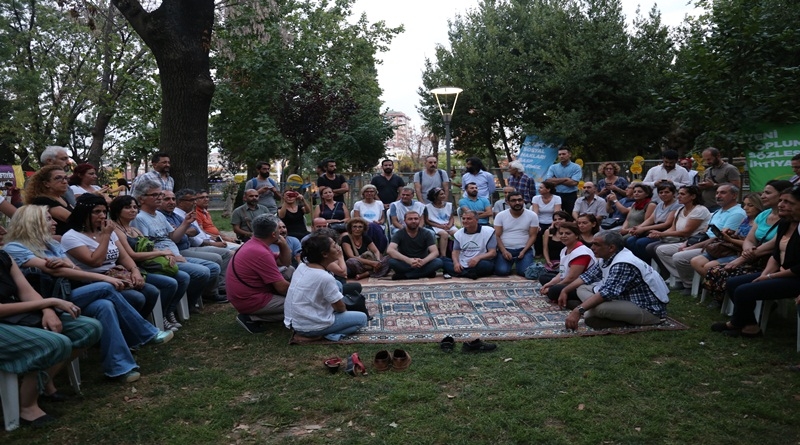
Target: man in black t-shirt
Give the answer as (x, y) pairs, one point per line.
(388, 184)
(337, 183)
(413, 251)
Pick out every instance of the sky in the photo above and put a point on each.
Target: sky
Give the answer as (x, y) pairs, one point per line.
(425, 23)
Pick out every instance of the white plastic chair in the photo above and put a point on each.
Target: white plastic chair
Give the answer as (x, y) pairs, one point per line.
(157, 316)
(183, 308)
(9, 392)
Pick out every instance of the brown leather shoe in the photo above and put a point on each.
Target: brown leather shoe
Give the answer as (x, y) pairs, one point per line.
(401, 360)
(382, 361)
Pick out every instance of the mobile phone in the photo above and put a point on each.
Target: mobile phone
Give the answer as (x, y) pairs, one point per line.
(715, 230)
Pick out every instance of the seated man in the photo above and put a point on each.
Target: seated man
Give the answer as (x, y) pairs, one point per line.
(474, 249)
(316, 225)
(516, 230)
(590, 203)
(481, 206)
(398, 209)
(243, 216)
(618, 290)
(256, 287)
(294, 244)
(205, 222)
(413, 252)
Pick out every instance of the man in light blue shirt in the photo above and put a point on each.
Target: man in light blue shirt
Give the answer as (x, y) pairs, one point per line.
(477, 204)
(476, 173)
(565, 175)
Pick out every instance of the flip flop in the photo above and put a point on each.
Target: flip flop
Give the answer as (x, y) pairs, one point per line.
(354, 366)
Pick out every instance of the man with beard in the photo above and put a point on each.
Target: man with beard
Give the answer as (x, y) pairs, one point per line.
(337, 183)
(474, 250)
(243, 216)
(206, 223)
(590, 203)
(398, 209)
(668, 170)
(413, 251)
(565, 175)
(159, 173)
(55, 155)
(388, 184)
(294, 245)
(477, 174)
(481, 206)
(267, 189)
(717, 172)
(430, 178)
(516, 229)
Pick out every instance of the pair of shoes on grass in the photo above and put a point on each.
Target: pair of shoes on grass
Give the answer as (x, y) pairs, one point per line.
(400, 360)
(448, 344)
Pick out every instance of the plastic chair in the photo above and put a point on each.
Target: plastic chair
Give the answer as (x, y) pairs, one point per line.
(9, 392)
(183, 308)
(157, 316)
(696, 281)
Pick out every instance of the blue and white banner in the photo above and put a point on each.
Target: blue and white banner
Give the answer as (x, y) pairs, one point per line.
(537, 156)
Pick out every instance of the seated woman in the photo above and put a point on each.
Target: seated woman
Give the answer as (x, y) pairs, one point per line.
(662, 218)
(123, 210)
(588, 225)
(47, 187)
(575, 259)
(690, 220)
(92, 244)
(372, 211)
(545, 205)
(84, 180)
(641, 209)
(360, 254)
(314, 308)
(551, 245)
(780, 278)
(757, 246)
(335, 213)
(702, 263)
(38, 335)
(32, 247)
(439, 216)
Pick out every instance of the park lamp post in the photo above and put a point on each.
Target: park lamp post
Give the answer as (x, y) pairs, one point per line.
(447, 112)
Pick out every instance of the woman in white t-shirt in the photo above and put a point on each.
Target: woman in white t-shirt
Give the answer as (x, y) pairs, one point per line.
(439, 216)
(314, 308)
(84, 180)
(544, 205)
(691, 219)
(92, 245)
(371, 209)
(575, 259)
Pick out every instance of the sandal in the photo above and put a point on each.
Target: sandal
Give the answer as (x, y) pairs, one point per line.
(333, 364)
(354, 366)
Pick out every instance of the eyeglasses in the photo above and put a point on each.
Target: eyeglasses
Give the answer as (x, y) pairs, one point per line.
(169, 198)
(153, 195)
(58, 178)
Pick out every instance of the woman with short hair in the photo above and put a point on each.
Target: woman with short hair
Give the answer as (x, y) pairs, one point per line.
(47, 187)
(371, 209)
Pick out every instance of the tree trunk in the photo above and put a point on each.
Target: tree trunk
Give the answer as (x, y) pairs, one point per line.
(179, 35)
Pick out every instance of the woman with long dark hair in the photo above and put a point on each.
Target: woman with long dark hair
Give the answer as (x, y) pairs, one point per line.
(641, 209)
(84, 180)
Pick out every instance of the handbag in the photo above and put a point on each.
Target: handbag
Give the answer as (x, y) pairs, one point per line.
(720, 248)
(158, 265)
(121, 273)
(356, 302)
(610, 223)
(694, 239)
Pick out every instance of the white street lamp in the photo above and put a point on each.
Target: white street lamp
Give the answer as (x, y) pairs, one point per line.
(446, 111)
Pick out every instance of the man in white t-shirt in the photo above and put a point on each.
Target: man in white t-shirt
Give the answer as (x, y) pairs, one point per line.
(474, 249)
(516, 229)
(398, 209)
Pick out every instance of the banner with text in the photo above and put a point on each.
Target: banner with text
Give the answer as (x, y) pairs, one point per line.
(771, 156)
(537, 156)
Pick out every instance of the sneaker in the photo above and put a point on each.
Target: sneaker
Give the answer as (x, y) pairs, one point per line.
(173, 319)
(161, 338)
(432, 274)
(216, 299)
(128, 377)
(477, 345)
(447, 276)
(253, 327)
(169, 326)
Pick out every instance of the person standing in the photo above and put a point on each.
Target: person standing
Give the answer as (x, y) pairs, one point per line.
(337, 183)
(717, 172)
(431, 177)
(267, 188)
(520, 182)
(565, 175)
(159, 173)
(477, 174)
(387, 183)
(668, 170)
(243, 216)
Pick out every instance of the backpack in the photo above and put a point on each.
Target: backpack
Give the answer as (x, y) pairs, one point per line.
(441, 176)
(254, 183)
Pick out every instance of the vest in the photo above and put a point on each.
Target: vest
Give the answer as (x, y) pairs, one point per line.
(654, 281)
(473, 244)
(563, 265)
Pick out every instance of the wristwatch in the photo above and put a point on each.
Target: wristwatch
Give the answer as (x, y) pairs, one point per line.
(581, 310)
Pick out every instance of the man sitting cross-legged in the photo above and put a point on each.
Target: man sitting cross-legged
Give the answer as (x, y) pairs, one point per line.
(412, 251)
(473, 251)
(618, 290)
(255, 285)
(516, 229)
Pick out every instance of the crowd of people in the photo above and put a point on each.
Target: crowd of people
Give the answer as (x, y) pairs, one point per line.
(110, 255)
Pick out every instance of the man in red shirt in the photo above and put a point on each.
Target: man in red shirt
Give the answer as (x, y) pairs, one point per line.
(204, 218)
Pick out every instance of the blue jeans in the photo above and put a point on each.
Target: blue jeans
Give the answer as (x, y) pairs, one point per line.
(639, 247)
(484, 268)
(415, 272)
(171, 289)
(502, 266)
(143, 300)
(123, 327)
(344, 323)
(199, 277)
(745, 294)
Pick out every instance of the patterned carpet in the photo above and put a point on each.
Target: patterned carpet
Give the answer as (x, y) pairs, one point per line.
(427, 311)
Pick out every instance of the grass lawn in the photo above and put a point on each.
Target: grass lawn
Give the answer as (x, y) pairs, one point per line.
(217, 384)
